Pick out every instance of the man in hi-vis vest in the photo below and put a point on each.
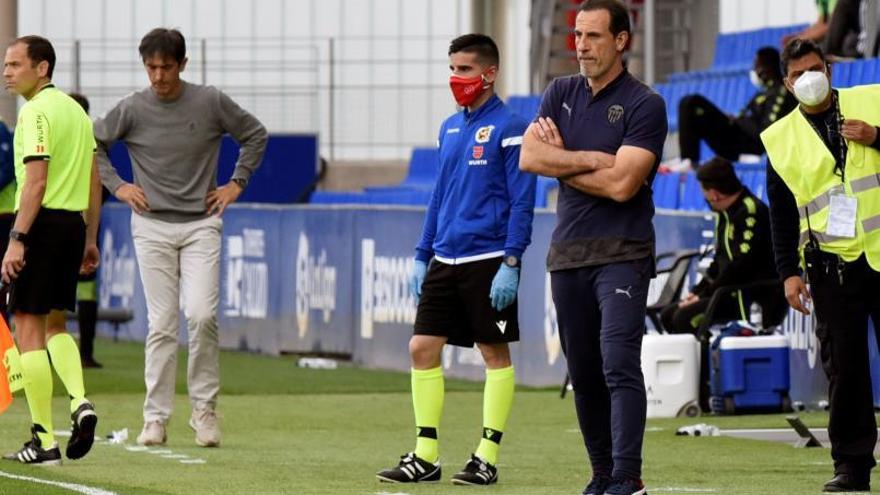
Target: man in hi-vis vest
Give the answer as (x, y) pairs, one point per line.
(823, 183)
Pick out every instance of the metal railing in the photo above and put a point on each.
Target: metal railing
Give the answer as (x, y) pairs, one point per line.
(366, 97)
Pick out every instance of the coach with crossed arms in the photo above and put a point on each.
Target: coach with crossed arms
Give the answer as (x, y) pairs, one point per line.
(601, 134)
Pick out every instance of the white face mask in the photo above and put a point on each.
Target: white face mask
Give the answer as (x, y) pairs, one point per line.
(811, 88)
(757, 82)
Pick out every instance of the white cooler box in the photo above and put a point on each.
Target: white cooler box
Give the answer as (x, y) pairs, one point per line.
(671, 365)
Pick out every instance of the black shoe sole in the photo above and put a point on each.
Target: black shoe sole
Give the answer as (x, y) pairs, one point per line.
(414, 482)
(81, 444)
(456, 481)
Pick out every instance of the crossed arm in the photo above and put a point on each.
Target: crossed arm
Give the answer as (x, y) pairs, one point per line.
(617, 177)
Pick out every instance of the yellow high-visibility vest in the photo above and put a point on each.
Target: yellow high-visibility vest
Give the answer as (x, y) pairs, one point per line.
(806, 165)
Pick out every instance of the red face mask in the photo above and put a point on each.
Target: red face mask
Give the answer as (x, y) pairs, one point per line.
(466, 90)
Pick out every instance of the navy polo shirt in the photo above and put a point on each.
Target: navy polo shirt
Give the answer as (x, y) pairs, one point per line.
(591, 230)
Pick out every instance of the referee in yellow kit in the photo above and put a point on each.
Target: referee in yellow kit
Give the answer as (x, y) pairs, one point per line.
(49, 243)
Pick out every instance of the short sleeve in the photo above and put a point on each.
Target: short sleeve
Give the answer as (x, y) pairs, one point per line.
(36, 138)
(549, 103)
(647, 125)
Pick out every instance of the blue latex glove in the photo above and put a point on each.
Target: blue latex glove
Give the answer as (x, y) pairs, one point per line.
(417, 278)
(504, 287)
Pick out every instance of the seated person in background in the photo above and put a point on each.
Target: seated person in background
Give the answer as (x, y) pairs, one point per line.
(817, 30)
(847, 30)
(699, 119)
(743, 251)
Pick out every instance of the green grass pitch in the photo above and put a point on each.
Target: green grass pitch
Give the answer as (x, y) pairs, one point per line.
(288, 430)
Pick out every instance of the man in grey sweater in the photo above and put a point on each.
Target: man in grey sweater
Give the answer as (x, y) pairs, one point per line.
(172, 130)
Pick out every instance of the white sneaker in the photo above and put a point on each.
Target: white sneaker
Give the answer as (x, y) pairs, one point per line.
(152, 434)
(204, 423)
(676, 165)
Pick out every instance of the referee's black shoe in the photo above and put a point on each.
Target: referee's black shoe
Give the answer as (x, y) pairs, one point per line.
(411, 469)
(476, 472)
(845, 482)
(34, 453)
(82, 434)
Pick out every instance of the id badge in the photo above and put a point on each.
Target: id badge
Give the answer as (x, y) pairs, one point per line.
(842, 215)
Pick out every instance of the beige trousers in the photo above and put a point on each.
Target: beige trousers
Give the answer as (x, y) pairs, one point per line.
(179, 259)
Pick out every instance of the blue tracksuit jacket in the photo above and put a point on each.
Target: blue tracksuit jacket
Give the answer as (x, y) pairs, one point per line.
(482, 205)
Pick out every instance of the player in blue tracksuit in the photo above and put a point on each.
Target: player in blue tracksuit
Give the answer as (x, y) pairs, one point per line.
(467, 265)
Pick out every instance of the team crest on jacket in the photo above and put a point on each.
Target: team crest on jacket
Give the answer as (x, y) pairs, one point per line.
(615, 112)
(484, 134)
(478, 152)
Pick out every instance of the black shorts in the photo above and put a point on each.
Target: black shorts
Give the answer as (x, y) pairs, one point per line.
(455, 304)
(52, 259)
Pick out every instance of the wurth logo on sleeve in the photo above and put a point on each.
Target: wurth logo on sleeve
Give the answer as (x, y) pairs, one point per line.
(40, 127)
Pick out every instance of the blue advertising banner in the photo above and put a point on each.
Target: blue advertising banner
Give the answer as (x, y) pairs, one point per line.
(317, 299)
(335, 280)
(119, 282)
(538, 356)
(290, 165)
(384, 242)
(249, 305)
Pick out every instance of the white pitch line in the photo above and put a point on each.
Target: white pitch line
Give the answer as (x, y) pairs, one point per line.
(160, 452)
(763, 430)
(85, 490)
(136, 448)
(175, 456)
(391, 493)
(678, 489)
(193, 461)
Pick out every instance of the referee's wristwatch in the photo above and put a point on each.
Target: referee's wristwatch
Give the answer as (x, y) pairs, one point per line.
(511, 261)
(21, 237)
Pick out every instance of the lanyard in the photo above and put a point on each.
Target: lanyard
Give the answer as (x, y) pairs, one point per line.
(833, 130)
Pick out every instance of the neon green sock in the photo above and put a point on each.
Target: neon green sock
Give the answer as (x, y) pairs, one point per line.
(67, 364)
(497, 400)
(38, 390)
(427, 392)
(87, 291)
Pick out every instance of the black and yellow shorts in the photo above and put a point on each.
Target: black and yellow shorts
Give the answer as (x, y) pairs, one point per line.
(52, 258)
(455, 304)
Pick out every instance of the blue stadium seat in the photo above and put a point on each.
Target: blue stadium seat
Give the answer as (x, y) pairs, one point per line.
(856, 71)
(526, 106)
(864, 72)
(692, 196)
(871, 71)
(840, 73)
(735, 51)
(666, 190)
(423, 167)
(421, 175)
(729, 91)
(400, 197)
(754, 176)
(741, 92)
